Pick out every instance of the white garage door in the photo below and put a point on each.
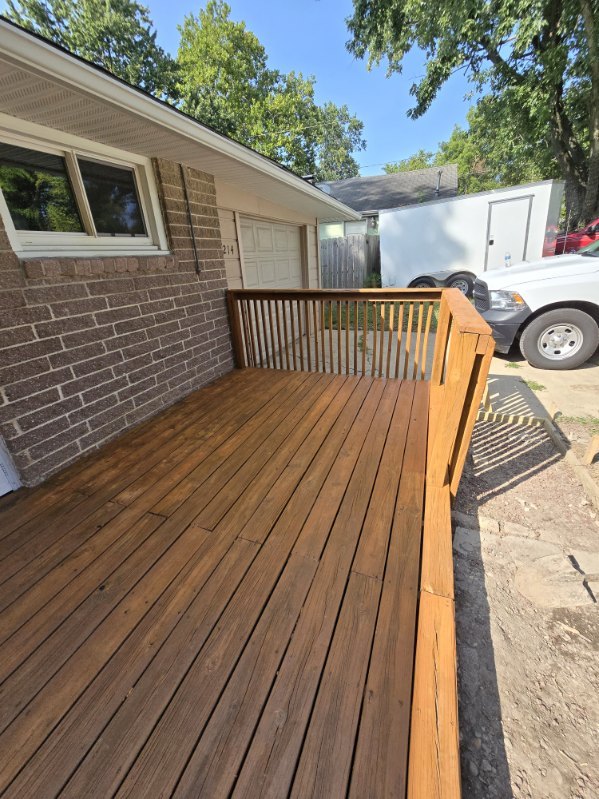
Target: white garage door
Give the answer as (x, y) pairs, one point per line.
(271, 254)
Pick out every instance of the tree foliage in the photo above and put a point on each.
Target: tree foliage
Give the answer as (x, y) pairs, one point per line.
(221, 77)
(115, 34)
(226, 83)
(537, 59)
(490, 153)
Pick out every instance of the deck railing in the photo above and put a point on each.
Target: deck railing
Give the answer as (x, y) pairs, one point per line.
(369, 332)
(432, 334)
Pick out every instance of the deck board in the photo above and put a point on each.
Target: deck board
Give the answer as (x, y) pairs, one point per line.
(221, 602)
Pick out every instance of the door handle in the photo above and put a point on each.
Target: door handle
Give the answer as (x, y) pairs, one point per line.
(491, 241)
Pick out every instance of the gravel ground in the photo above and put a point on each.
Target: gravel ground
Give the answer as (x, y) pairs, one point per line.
(527, 584)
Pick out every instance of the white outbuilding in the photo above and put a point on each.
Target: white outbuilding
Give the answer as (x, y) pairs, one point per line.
(471, 232)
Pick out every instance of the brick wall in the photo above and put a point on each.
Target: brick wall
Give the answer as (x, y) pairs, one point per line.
(90, 347)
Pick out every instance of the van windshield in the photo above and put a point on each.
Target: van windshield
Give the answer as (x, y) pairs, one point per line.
(590, 249)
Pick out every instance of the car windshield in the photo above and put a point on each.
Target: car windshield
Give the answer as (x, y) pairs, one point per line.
(590, 249)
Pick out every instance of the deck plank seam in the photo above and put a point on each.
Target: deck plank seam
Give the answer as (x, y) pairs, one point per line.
(124, 441)
(91, 631)
(346, 584)
(382, 581)
(197, 654)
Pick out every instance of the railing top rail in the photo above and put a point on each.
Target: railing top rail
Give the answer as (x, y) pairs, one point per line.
(464, 314)
(428, 295)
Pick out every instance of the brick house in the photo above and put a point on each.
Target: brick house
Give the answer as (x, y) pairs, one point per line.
(122, 223)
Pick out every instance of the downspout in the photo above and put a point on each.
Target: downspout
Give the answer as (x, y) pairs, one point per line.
(189, 219)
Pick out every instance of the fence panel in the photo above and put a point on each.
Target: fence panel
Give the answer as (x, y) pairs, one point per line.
(347, 262)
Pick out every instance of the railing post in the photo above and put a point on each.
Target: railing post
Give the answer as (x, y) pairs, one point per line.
(447, 405)
(441, 338)
(236, 334)
(478, 381)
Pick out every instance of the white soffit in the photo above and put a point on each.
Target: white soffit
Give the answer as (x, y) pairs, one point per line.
(42, 84)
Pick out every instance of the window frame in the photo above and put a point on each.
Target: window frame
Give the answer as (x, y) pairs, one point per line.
(88, 243)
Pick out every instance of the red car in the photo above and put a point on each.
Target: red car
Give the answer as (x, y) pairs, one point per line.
(572, 242)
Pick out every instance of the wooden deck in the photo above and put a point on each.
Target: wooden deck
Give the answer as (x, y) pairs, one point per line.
(223, 601)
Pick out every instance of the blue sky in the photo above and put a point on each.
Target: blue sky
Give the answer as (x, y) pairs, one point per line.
(310, 36)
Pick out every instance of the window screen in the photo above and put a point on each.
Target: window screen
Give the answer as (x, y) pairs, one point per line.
(113, 199)
(38, 191)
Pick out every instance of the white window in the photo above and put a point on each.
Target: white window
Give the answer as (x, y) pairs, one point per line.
(77, 201)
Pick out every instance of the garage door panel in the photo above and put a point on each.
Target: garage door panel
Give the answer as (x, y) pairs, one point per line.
(265, 238)
(252, 278)
(268, 272)
(283, 270)
(282, 240)
(272, 256)
(247, 238)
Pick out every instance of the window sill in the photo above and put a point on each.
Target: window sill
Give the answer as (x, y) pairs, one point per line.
(88, 265)
(90, 252)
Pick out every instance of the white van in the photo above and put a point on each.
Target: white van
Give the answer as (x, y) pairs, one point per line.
(550, 306)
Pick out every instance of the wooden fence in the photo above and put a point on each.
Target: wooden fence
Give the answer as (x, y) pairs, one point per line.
(348, 262)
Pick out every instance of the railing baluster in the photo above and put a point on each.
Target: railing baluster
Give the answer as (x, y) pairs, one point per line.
(272, 335)
(430, 310)
(374, 338)
(417, 347)
(301, 334)
(315, 319)
(268, 347)
(383, 309)
(331, 359)
(265, 332)
(390, 337)
(364, 335)
(321, 306)
(293, 344)
(258, 336)
(399, 338)
(308, 335)
(347, 337)
(338, 336)
(285, 332)
(356, 337)
(408, 341)
(279, 340)
(246, 333)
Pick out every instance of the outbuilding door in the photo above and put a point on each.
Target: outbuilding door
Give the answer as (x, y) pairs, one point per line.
(272, 254)
(507, 231)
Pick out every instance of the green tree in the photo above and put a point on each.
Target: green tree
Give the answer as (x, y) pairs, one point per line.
(420, 160)
(540, 58)
(225, 82)
(116, 34)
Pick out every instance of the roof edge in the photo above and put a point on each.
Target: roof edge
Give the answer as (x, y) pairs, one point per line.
(474, 194)
(85, 76)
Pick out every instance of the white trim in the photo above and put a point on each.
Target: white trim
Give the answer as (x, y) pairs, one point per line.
(33, 243)
(48, 60)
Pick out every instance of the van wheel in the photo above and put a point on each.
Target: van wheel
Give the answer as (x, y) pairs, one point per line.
(561, 339)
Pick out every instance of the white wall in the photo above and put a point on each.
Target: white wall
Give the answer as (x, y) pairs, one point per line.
(452, 234)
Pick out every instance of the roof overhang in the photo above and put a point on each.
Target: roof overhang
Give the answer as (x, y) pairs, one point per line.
(43, 84)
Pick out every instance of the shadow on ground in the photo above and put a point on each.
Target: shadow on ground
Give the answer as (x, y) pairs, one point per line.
(502, 458)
